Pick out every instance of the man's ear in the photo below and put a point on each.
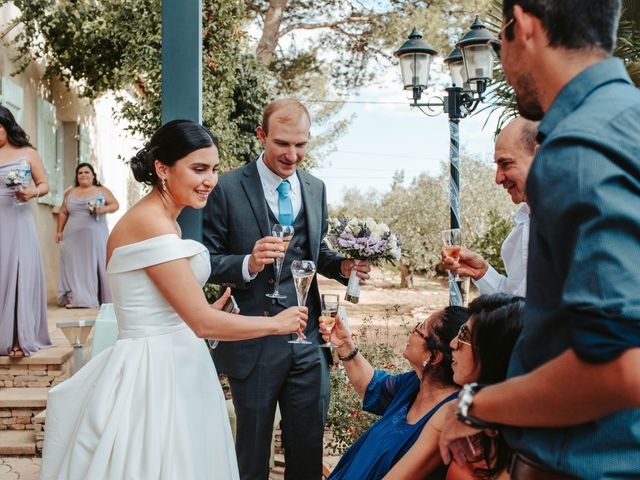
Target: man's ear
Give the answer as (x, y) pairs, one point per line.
(262, 135)
(528, 29)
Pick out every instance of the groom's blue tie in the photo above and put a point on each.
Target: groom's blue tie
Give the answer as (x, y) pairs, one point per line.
(285, 207)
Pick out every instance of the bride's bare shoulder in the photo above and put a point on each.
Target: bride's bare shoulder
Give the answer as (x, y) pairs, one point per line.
(142, 221)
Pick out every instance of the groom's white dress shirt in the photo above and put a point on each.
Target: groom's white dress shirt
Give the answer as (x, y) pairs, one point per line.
(270, 182)
(514, 253)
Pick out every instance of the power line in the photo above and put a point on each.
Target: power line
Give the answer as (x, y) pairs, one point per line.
(388, 155)
(360, 102)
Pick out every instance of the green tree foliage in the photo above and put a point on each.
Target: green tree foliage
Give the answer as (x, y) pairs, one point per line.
(359, 35)
(490, 243)
(419, 211)
(98, 46)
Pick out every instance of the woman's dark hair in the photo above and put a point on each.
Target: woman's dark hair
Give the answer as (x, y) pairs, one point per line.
(15, 134)
(441, 332)
(90, 167)
(497, 322)
(171, 142)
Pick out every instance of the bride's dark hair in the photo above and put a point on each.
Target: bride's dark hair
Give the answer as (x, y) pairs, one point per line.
(171, 142)
(15, 134)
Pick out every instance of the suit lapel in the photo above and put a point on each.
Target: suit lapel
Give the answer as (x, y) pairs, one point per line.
(313, 211)
(253, 190)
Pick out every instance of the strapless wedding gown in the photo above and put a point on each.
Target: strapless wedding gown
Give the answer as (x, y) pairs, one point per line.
(151, 407)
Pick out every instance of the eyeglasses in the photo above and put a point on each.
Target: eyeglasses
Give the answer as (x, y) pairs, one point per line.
(464, 336)
(418, 329)
(504, 28)
(497, 45)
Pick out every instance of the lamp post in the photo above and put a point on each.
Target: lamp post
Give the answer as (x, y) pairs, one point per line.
(471, 68)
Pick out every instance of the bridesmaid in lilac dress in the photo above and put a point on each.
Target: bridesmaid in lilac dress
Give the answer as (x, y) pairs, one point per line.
(23, 296)
(83, 277)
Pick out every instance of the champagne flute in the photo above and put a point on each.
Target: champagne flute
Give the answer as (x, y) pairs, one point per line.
(452, 240)
(303, 272)
(329, 305)
(285, 232)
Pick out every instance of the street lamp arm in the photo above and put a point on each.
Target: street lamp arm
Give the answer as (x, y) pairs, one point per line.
(435, 105)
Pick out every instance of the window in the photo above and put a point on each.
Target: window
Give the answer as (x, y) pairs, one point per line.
(50, 150)
(12, 97)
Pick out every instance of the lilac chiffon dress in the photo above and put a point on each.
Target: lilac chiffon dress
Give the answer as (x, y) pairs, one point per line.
(83, 250)
(23, 295)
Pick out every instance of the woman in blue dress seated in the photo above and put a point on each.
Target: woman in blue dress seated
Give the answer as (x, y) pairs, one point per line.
(481, 353)
(409, 403)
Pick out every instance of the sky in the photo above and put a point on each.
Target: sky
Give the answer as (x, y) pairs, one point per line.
(390, 135)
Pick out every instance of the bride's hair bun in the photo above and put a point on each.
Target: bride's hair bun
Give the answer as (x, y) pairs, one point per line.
(173, 141)
(143, 168)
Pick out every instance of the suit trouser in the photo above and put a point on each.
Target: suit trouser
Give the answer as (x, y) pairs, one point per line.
(296, 376)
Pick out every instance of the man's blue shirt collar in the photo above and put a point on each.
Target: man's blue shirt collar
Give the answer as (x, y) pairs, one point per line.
(573, 93)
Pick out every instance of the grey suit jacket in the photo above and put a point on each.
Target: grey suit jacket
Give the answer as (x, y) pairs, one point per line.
(235, 217)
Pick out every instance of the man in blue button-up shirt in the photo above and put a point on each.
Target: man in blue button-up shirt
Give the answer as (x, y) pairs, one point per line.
(572, 403)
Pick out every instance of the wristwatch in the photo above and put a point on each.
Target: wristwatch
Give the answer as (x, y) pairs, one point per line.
(465, 401)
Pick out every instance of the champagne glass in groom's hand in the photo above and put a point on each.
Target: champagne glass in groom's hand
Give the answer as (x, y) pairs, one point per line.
(284, 232)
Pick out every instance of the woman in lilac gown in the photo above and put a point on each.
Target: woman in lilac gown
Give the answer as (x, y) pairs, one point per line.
(23, 296)
(82, 233)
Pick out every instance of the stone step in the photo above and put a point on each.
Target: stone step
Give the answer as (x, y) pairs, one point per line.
(21, 442)
(49, 356)
(23, 397)
(45, 368)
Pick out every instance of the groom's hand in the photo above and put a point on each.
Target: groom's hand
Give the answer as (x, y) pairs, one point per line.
(264, 252)
(362, 269)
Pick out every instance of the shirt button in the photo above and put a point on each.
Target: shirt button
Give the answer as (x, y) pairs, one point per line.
(298, 249)
(270, 281)
(266, 313)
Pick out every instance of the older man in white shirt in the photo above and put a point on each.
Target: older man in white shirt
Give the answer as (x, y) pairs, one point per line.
(515, 149)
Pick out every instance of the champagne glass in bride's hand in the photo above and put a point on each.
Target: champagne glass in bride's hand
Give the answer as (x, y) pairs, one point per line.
(303, 272)
(329, 304)
(452, 240)
(285, 232)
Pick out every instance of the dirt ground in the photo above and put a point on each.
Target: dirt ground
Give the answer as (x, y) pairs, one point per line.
(383, 301)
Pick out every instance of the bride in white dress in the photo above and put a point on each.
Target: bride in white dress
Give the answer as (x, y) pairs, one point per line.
(151, 407)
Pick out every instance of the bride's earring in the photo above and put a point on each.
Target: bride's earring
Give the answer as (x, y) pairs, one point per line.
(163, 181)
(425, 363)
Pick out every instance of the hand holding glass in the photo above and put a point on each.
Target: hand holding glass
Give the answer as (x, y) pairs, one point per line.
(329, 305)
(285, 232)
(452, 240)
(303, 272)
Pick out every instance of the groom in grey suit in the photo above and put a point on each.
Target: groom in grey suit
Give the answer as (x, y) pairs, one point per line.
(238, 220)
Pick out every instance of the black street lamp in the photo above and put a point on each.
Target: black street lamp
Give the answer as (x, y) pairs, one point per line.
(471, 68)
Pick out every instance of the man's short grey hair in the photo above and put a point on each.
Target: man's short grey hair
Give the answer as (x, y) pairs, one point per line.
(529, 134)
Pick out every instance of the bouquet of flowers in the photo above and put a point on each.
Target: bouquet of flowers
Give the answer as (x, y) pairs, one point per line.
(363, 240)
(18, 178)
(99, 201)
(15, 178)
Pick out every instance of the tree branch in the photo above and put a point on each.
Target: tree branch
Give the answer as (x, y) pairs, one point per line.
(316, 26)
